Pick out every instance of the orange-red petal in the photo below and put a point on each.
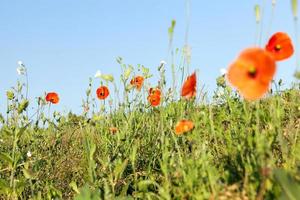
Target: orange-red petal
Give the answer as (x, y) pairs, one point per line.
(280, 46)
(113, 130)
(189, 87)
(252, 73)
(155, 91)
(102, 92)
(137, 82)
(183, 126)
(52, 97)
(154, 99)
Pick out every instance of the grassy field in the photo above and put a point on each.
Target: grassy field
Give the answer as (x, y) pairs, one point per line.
(240, 144)
(237, 150)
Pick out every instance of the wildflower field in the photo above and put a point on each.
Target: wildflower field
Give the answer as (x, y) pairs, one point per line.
(136, 139)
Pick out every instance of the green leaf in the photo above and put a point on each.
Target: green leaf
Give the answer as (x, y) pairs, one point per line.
(10, 95)
(21, 130)
(4, 187)
(133, 153)
(92, 150)
(291, 189)
(119, 169)
(107, 77)
(129, 87)
(127, 72)
(143, 185)
(27, 174)
(73, 185)
(297, 75)
(23, 106)
(87, 194)
(145, 70)
(6, 158)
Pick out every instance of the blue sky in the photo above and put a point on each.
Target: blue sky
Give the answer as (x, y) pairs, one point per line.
(63, 43)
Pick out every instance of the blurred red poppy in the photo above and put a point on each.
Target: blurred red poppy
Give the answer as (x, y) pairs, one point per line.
(189, 87)
(52, 97)
(113, 130)
(137, 82)
(102, 92)
(280, 46)
(154, 100)
(154, 91)
(154, 96)
(252, 73)
(183, 126)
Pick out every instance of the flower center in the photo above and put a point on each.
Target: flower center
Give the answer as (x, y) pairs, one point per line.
(252, 72)
(186, 127)
(277, 47)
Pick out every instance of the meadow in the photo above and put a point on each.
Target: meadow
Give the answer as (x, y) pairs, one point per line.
(167, 140)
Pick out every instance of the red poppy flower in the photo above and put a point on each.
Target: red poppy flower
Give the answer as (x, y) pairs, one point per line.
(280, 46)
(252, 73)
(154, 99)
(102, 92)
(189, 87)
(154, 91)
(154, 96)
(113, 130)
(183, 126)
(137, 82)
(52, 97)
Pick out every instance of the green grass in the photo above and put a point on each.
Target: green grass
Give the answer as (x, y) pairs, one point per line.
(238, 150)
(233, 152)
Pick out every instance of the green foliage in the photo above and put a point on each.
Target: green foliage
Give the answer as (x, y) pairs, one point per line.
(230, 152)
(291, 188)
(87, 194)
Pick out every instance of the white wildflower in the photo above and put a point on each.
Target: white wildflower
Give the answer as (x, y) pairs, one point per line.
(98, 74)
(20, 63)
(21, 69)
(163, 62)
(29, 154)
(223, 71)
(220, 93)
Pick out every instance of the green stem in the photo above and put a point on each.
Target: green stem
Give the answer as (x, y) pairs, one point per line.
(261, 23)
(271, 20)
(296, 43)
(12, 184)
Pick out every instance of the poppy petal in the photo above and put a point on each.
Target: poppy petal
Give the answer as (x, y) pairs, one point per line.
(52, 97)
(189, 87)
(280, 46)
(102, 92)
(183, 126)
(252, 73)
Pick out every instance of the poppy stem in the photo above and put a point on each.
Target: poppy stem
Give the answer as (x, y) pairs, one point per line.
(297, 40)
(186, 46)
(261, 23)
(49, 110)
(271, 20)
(27, 90)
